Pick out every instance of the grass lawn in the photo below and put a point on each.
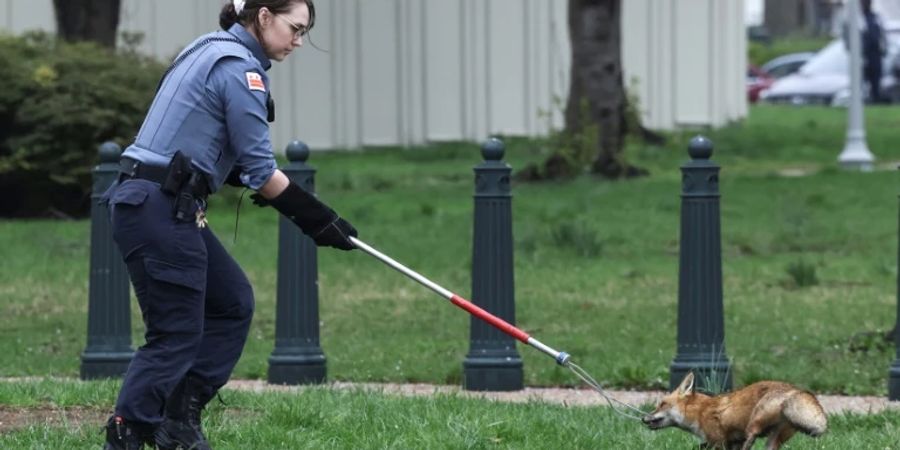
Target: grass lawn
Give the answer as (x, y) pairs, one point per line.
(810, 265)
(319, 418)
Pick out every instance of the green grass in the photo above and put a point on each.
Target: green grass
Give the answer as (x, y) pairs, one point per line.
(319, 418)
(596, 264)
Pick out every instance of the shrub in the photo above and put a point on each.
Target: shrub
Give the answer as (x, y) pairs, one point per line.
(759, 53)
(577, 236)
(803, 274)
(59, 102)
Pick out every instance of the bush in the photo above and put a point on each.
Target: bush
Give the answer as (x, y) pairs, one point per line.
(59, 102)
(759, 53)
(803, 274)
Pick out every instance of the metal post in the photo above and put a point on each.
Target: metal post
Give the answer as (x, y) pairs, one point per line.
(701, 325)
(493, 363)
(894, 371)
(297, 358)
(108, 351)
(856, 154)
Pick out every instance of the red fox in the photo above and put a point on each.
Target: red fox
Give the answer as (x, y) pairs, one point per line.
(735, 420)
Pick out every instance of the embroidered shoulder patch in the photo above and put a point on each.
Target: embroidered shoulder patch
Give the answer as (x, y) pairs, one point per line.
(255, 82)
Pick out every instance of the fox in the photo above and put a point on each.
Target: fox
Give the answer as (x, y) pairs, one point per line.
(735, 420)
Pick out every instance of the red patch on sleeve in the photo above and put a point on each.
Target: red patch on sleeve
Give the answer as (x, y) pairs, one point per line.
(255, 82)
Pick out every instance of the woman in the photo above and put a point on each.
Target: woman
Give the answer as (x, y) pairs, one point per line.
(208, 125)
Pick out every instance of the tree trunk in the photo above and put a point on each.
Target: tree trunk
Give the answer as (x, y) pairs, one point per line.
(784, 17)
(596, 90)
(597, 108)
(88, 20)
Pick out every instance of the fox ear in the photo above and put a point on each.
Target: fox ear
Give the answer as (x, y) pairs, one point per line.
(687, 385)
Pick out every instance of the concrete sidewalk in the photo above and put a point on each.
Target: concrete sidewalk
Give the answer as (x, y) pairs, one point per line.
(833, 404)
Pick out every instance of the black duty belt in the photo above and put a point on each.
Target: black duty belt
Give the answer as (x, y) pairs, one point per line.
(131, 168)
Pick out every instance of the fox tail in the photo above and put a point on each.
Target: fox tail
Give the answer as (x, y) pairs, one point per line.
(806, 414)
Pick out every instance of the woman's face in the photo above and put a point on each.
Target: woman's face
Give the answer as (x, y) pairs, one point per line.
(281, 33)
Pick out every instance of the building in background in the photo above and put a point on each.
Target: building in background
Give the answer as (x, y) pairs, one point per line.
(408, 72)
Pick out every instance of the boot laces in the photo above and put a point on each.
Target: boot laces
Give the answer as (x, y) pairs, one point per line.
(195, 409)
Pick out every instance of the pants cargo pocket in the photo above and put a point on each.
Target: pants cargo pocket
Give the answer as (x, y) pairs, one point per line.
(175, 274)
(174, 300)
(128, 194)
(128, 215)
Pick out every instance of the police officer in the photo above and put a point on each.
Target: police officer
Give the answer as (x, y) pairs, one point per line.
(208, 125)
(873, 49)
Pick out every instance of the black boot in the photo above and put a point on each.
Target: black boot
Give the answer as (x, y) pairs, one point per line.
(181, 428)
(121, 435)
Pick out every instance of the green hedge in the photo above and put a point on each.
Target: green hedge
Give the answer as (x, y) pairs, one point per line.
(759, 53)
(58, 103)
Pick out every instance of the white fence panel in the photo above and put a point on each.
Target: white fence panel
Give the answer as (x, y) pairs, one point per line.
(406, 72)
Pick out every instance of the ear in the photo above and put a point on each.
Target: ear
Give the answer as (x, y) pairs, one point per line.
(264, 19)
(687, 385)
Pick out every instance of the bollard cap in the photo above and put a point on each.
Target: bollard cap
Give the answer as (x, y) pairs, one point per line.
(297, 151)
(700, 147)
(109, 152)
(493, 149)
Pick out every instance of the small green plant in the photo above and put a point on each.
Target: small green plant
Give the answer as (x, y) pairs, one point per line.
(579, 237)
(380, 184)
(348, 182)
(713, 381)
(427, 209)
(869, 341)
(802, 273)
(570, 152)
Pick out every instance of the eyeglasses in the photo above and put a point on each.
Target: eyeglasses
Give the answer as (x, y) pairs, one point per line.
(299, 30)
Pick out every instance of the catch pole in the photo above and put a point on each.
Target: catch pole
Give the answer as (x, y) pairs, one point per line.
(561, 358)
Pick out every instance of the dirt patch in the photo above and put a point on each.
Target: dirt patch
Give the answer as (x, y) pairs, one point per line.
(14, 418)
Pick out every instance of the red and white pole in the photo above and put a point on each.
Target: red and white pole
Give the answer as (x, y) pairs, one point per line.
(562, 358)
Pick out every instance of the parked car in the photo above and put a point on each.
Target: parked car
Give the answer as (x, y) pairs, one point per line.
(761, 78)
(757, 81)
(785, 65)
(825, 78)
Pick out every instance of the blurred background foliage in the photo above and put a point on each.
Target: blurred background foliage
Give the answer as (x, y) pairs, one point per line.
(59, 102)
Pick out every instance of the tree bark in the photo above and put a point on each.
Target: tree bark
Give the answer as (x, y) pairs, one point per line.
(783, 17)
(596, 90)
(88, 20)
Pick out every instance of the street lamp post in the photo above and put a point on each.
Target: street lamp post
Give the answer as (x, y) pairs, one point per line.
(856, 154)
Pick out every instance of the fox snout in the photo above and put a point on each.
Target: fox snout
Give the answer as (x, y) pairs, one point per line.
(655, 421)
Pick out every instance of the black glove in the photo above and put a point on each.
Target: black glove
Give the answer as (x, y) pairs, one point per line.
(259, 200)
(313, 217)
(336, 234)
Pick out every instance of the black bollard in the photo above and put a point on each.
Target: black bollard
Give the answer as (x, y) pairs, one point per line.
(701, 323)
(297, 358)
(894, 371)
(108, 351)
(493, 363)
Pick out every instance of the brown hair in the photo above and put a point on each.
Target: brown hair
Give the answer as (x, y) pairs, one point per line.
(249, 15)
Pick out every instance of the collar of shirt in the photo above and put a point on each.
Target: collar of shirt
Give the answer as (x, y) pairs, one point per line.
(241, 33)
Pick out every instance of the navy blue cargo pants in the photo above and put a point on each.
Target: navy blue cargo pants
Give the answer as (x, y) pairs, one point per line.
(195, 300)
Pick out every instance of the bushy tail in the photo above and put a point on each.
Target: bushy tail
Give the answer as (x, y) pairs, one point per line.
(806, 414)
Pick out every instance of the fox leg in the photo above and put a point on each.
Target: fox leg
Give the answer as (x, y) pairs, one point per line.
(764, 420)
(780, 436)
(748, 444)
(755, 428)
